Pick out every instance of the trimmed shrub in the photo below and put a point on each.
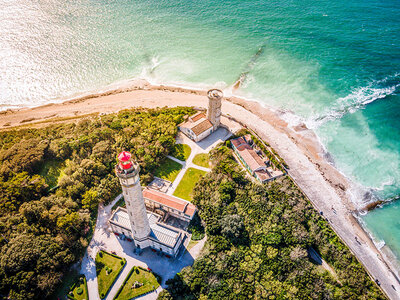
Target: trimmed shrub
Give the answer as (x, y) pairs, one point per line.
(101, 253)
(102, 295)
(122, 262)
(79, 291)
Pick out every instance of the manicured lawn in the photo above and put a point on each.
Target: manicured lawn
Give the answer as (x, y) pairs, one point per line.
(79, 290)
(202, 160)
(185, 187)
(106, 279)
(181, 151)
(168, 170)
(51, 171)
(146, 278)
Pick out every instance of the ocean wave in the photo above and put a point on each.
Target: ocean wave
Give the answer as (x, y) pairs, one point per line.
(389, 182)
(358, 99)
(151, 65)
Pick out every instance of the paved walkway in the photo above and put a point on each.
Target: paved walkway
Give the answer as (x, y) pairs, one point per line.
(104, 239)
(98, 242)
(203, 146)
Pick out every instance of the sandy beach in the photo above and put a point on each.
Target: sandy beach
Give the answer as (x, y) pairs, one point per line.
(325, 186)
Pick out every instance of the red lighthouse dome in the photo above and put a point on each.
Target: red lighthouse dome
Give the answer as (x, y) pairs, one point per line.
(125, 160)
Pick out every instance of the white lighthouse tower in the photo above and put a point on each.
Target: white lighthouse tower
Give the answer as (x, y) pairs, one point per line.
(128, 174)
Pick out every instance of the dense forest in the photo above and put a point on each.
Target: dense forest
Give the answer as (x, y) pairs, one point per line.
(258, 242)
(51, 181)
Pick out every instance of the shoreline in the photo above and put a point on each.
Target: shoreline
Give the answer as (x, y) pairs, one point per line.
(326, 187)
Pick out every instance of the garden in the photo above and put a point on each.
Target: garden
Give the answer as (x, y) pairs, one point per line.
(138, 282)
(168, 170)
(108, 267)
(79, 290)
(189, 180)
(202, 160)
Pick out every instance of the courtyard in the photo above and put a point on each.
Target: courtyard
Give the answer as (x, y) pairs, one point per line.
(181, 176)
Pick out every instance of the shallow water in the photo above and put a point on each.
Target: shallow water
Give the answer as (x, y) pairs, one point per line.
(336, 65)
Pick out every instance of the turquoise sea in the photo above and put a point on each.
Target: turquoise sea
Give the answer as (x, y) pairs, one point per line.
(333, 64)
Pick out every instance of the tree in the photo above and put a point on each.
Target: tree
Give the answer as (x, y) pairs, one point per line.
(232, 228)
(90, 200)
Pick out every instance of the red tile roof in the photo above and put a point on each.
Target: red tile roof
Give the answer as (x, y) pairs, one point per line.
(252, 159)
(263, 175)
(239, 141)
(197, 116)
(170, 201)
(202, 126)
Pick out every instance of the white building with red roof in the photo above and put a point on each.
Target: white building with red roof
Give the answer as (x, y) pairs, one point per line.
(254, 161)
(200, 125)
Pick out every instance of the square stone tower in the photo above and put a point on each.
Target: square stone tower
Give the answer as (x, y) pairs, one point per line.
(214, 107)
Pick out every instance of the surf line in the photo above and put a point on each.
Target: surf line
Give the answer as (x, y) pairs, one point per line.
(249, 67)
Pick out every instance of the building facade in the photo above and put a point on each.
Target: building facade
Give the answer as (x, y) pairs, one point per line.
(254, 161)
(200, 125)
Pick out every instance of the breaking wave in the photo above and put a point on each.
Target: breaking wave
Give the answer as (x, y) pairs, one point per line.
(358, 99)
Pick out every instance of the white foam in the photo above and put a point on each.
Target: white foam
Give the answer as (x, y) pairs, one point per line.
(380, 244)
(291, 118)
(389, 182)
(356, 100)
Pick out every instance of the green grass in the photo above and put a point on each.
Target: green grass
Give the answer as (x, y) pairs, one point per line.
(68, 280)
(51, 171)
(80, 283)
(185, 187)
(106, 281)
(202, 160)
(137, 274)
(191, 244)
(168, 170)
(181, 151)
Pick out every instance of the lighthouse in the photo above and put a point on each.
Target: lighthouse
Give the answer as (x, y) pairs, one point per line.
(128, 174)
(149, 217)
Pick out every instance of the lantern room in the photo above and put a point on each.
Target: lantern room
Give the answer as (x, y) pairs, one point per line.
(126, 169)
(125, 160)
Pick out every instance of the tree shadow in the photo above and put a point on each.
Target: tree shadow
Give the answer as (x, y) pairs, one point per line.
(314, 257)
